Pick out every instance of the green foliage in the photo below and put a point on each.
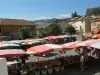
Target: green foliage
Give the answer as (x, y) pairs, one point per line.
(93, 11)
(74, 14)
(53, 29)
(23, 33)
(70, 29)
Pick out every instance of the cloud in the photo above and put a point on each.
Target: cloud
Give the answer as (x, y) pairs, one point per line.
(42, 18)
(61, 16)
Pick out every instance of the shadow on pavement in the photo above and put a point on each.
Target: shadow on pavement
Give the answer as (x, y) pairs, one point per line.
(94, 69)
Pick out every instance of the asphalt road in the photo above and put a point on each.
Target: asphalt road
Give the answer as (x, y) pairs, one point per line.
(94, 69)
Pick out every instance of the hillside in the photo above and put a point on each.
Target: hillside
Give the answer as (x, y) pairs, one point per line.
(93, 11)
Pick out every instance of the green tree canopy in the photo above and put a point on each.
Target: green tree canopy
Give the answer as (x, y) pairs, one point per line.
(53, 29)
(70, 29)
(93, 11)
(23, 33)
(74, 14)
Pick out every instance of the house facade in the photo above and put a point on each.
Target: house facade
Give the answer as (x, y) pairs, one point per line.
(95, 24)
(82, 23)
(10, 27)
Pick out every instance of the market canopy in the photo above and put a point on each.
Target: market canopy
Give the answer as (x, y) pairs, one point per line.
(11, 52)
(71, 45)
(88, 42)
(45, 49)
(96, 36)
(9, 45)
(59, 37)
(50, 38)
(85, 43)
(15, 42)
(30, 42)
(96, 45)
(9, 63)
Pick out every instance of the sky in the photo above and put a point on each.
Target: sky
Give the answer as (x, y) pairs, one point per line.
(44, 9)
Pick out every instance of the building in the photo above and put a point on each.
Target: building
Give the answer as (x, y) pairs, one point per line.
(82, 23)
(10, 27)
(95, 24)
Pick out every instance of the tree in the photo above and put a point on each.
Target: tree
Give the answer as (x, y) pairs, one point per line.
(23, 33)
(93, 11)
(70, 29)
(55, 29)
(74, 14)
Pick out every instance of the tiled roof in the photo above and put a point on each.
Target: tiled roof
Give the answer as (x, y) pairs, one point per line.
(97, 18)
(84, 18)
(15, 22)
(81, 18)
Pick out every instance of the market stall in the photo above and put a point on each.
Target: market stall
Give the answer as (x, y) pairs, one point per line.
(45, 49)
(11, 53)
(10, 46)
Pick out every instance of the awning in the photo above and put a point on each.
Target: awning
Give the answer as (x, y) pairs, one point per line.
(8, 45)
(15, 42)
(11, 52)
(96, 45)
(9, 63)
(88, 42)
(30, 42)
(45, 49)
(50, 38)
(97, 36)
(71, 45)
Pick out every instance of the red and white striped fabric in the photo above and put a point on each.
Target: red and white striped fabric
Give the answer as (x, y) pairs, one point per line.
(85, 43)
(45, 49)
(88, 42)
(29, 42)
(11, 52)
(50, 38)
(15, 42)
(89, 34)
(71, 45)
(97, 36)
(60, 37)
(95, 45)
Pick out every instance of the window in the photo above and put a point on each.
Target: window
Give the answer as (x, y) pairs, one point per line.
(98, 26)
